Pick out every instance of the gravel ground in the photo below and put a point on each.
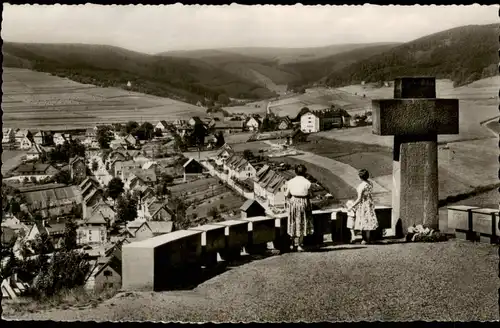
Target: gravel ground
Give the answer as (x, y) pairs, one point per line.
(454, 280)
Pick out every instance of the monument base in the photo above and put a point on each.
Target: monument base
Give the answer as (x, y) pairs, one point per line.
(415, 171)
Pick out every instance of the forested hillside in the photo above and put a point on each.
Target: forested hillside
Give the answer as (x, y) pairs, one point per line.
(314, 70)
(179, 78)
(462, 54)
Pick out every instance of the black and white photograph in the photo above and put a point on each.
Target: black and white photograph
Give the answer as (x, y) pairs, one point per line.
(250, 163)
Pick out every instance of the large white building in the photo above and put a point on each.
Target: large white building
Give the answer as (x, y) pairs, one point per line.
(310, 123)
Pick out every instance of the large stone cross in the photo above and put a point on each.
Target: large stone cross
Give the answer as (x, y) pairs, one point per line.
(415, 117)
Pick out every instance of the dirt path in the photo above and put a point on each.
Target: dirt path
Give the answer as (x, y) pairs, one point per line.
(451, 281)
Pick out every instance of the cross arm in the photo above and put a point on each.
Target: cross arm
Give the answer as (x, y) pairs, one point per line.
(415, 116)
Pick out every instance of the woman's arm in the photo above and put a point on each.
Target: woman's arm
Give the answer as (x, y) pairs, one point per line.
(287, 192)
(358, 200)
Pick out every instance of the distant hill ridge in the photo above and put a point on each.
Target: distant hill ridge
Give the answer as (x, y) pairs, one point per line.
(463, 55)
(184, 79)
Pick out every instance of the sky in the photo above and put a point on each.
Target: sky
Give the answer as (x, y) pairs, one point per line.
(153, 29)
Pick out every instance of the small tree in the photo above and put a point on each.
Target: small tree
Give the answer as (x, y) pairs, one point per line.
(115, 188)
(63, 176)
(95, 165)
(104, 136)
(126, 208)
(70, 234)
(179, 207)
(247, 154)
(214, 213)
(43, 244)
(15, 207)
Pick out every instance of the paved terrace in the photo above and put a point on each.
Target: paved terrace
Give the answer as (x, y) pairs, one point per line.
(455, 280)
(390, 280)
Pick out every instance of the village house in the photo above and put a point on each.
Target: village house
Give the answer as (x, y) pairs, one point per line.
(77, 167)
(93, 197)
(192, 167)
(131, 140)
(42, 138)
(92, 230)
(21, 135)
(36, 152)
(107, 274)
(179, 123)
(118, 144)
(252, 208)
(133, 182)
(270, 185)
(162, 125)
(25, 143)
(148, 229)
(229, 127)
(9, 136)
(51, 199)
(284, 123)
(210, 141)
(239, 168)
(316, 121)
(53, 228)
(31, 171)
(222, 155)
(105, 210)
(253, 124)
(61, 138)
(148, 177)
(122, 166)
(309, 123)
(195, 120)
(209, 123)
(158, 211)
(184, 130)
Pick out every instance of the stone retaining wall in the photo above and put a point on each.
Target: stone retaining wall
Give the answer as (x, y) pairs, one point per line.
(474, 223)
(151, 264)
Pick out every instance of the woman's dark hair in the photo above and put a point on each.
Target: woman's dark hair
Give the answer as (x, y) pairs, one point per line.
(300, 170)
(364, 174)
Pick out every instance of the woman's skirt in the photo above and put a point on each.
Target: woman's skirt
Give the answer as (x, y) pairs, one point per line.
(366, 219)
(300, 221)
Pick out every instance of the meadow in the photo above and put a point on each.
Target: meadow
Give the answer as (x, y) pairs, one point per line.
(39, 100)
(207, 194)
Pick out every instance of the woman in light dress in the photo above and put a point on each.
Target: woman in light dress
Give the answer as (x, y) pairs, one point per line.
(300, 221)
(366, 219)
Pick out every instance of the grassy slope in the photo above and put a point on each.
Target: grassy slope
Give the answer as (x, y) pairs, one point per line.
(180, 78)
(453, 280)
(462, 54)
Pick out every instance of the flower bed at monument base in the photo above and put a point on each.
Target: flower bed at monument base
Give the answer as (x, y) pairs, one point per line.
(420, 233)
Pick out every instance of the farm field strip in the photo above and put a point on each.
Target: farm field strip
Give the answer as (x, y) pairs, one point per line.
(30, 91)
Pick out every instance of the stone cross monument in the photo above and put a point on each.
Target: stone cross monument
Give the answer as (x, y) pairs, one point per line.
(415, 117)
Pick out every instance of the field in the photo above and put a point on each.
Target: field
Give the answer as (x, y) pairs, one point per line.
(291, 106)
(206, 194)
(11, 159)
(39, 100)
